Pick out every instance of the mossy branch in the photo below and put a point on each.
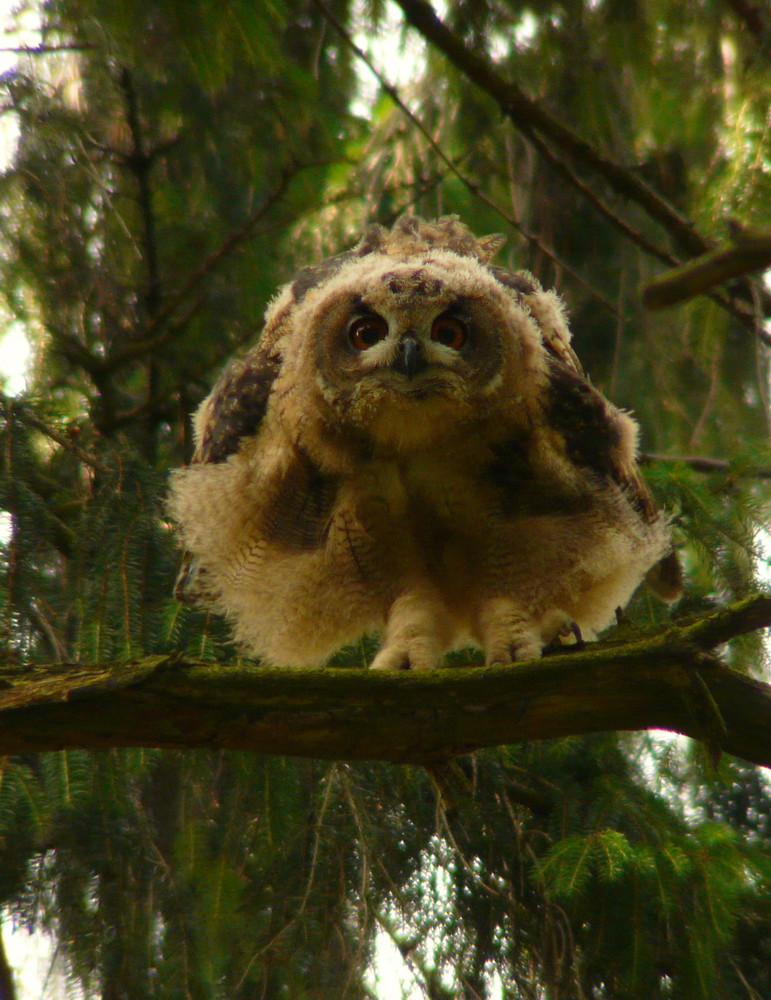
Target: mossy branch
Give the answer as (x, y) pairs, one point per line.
(670, 680)
(748, 251)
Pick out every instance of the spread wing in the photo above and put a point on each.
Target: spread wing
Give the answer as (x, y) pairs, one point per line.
(597, 436)
(232, 411)
(235, 407)
(600, 438)
(546, 309)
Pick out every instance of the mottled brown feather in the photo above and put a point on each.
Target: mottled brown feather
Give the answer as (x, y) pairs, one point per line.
(482, 492)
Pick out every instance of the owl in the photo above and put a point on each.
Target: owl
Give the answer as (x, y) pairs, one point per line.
(411, 448)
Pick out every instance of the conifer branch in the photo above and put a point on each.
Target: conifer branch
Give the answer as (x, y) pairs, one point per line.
(471, 185)
(25, 417)
(669, 680)
(529, 116)
(703, 463)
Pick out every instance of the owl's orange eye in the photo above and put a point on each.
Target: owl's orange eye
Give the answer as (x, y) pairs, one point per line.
(449, 331)
(367, 331)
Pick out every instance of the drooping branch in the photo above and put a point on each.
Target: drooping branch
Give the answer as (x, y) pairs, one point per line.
(671, 680)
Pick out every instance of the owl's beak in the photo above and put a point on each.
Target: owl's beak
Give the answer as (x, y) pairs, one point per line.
(410, 360)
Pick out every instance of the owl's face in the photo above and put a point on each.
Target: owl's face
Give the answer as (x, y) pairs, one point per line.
(408, 352)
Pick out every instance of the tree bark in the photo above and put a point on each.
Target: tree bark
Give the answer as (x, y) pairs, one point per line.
(746, 253)
(671, 680)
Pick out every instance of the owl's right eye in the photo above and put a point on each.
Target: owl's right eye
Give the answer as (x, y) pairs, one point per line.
(367, 331)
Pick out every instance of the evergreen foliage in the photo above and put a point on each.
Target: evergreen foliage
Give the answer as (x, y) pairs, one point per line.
(175, 163)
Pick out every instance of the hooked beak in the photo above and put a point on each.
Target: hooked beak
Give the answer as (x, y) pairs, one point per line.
(410, 360)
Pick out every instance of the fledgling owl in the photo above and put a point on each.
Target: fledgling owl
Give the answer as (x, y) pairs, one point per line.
(412, 447)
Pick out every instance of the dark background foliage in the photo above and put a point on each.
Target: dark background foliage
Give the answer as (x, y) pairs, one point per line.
(175, 164)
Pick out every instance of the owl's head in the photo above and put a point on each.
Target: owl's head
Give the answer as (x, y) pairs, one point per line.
(412, 335)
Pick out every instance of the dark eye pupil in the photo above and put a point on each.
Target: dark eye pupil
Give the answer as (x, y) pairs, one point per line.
(369, 334)
(449, 333)
(365, 333)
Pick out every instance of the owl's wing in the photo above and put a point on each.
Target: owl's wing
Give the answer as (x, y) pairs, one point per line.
(235, 407)
(558, 346)
(232, 412)
(546, 309)
(598, 437)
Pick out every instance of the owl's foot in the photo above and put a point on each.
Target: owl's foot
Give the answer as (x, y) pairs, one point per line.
(558, 627)
(522, 646)
(415, 657)
(515, 637)
(509, 634)
(417, 634)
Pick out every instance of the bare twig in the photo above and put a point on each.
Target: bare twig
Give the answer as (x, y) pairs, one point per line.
(562, 168)
(44, 50)
(158, 331)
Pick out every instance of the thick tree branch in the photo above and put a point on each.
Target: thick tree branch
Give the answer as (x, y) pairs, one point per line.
(747, 252)
(670, 680)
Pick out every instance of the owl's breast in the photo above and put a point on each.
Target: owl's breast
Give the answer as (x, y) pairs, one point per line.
(423, 512)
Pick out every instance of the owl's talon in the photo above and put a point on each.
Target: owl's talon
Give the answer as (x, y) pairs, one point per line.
(515, 652)
(400, 659)
(390, 662)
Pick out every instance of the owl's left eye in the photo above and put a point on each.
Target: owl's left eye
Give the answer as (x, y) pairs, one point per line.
(367, 331)
(449, 331)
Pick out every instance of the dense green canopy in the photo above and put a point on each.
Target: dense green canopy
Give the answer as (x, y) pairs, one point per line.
(175, 164)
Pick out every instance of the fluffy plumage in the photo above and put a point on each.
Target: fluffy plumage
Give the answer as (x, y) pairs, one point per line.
(412, 447)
